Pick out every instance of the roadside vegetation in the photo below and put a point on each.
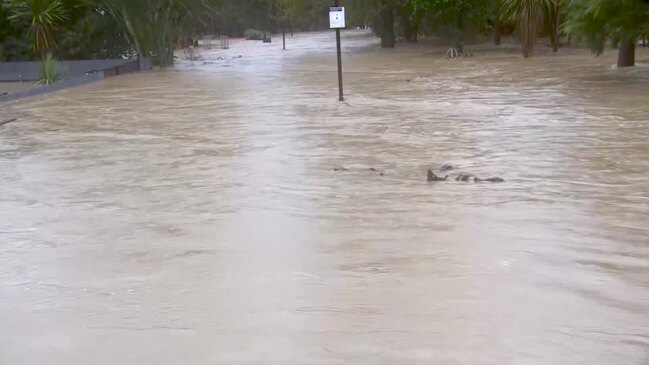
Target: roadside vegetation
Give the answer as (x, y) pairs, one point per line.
(89, 29)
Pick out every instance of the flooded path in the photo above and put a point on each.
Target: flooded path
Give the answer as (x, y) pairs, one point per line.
(193, 216)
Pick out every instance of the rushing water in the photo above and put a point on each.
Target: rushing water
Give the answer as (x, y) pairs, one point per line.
(194, 216)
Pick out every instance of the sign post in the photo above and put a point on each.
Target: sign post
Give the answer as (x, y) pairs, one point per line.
(337, 21)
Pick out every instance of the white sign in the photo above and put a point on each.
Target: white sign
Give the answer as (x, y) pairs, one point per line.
(337, 17)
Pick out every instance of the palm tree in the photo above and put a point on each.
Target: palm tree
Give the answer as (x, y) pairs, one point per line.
(529, 15)
(600, 20)
(44, 17)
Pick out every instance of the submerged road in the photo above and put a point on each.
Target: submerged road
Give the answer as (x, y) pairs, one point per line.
(193, 216)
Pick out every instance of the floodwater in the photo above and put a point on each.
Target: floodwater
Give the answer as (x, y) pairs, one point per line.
(9, 87)
(193, 216)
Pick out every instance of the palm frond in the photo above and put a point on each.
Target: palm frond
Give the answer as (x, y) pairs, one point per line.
(528, 15)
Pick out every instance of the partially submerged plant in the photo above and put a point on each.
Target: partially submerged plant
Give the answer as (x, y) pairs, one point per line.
(50, 72)
(255, 35)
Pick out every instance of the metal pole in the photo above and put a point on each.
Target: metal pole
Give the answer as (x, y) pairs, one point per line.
(340, 67)
(283, 39)
(340, 63)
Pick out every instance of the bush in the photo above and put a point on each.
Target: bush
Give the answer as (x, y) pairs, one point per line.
(254, 35)
(50, 72)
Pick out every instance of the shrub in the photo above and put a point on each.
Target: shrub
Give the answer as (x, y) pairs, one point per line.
(254, 34)
(50, 72)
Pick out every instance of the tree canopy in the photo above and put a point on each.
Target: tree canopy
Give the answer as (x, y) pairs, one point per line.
(73, 29)
(600, 20)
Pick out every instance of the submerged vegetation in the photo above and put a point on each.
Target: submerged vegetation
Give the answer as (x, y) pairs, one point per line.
(49, 71)
(78, 29)
(254, 35)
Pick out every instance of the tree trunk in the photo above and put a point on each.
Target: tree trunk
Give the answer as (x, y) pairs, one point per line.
(498, 29)
(459, 34)
(406, 22)
(528, 31)
(387, 36)
(626, 52)
(554, 40)
(555, 37)
(554, 33)
(167, 58)
(416, 20)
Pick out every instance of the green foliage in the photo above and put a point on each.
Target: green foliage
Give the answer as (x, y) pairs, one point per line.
(456, 14)
(14, 42)
(49, 71)
(15, 48)
(91, 35)
(449, 10)
(598, 20)
(254, 35)
(529, 16)
(152, 26)
(77, 29)
(361, 13)
(44, 17)
(305, 15)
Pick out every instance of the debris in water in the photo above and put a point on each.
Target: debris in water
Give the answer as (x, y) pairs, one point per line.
(433, 177)
(8, 121)
(446, 167)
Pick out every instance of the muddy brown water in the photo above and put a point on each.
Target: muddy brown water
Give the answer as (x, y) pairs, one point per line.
(9, 87)
(193, 216)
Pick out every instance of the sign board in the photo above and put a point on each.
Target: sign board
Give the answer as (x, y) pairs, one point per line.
(337, 17)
